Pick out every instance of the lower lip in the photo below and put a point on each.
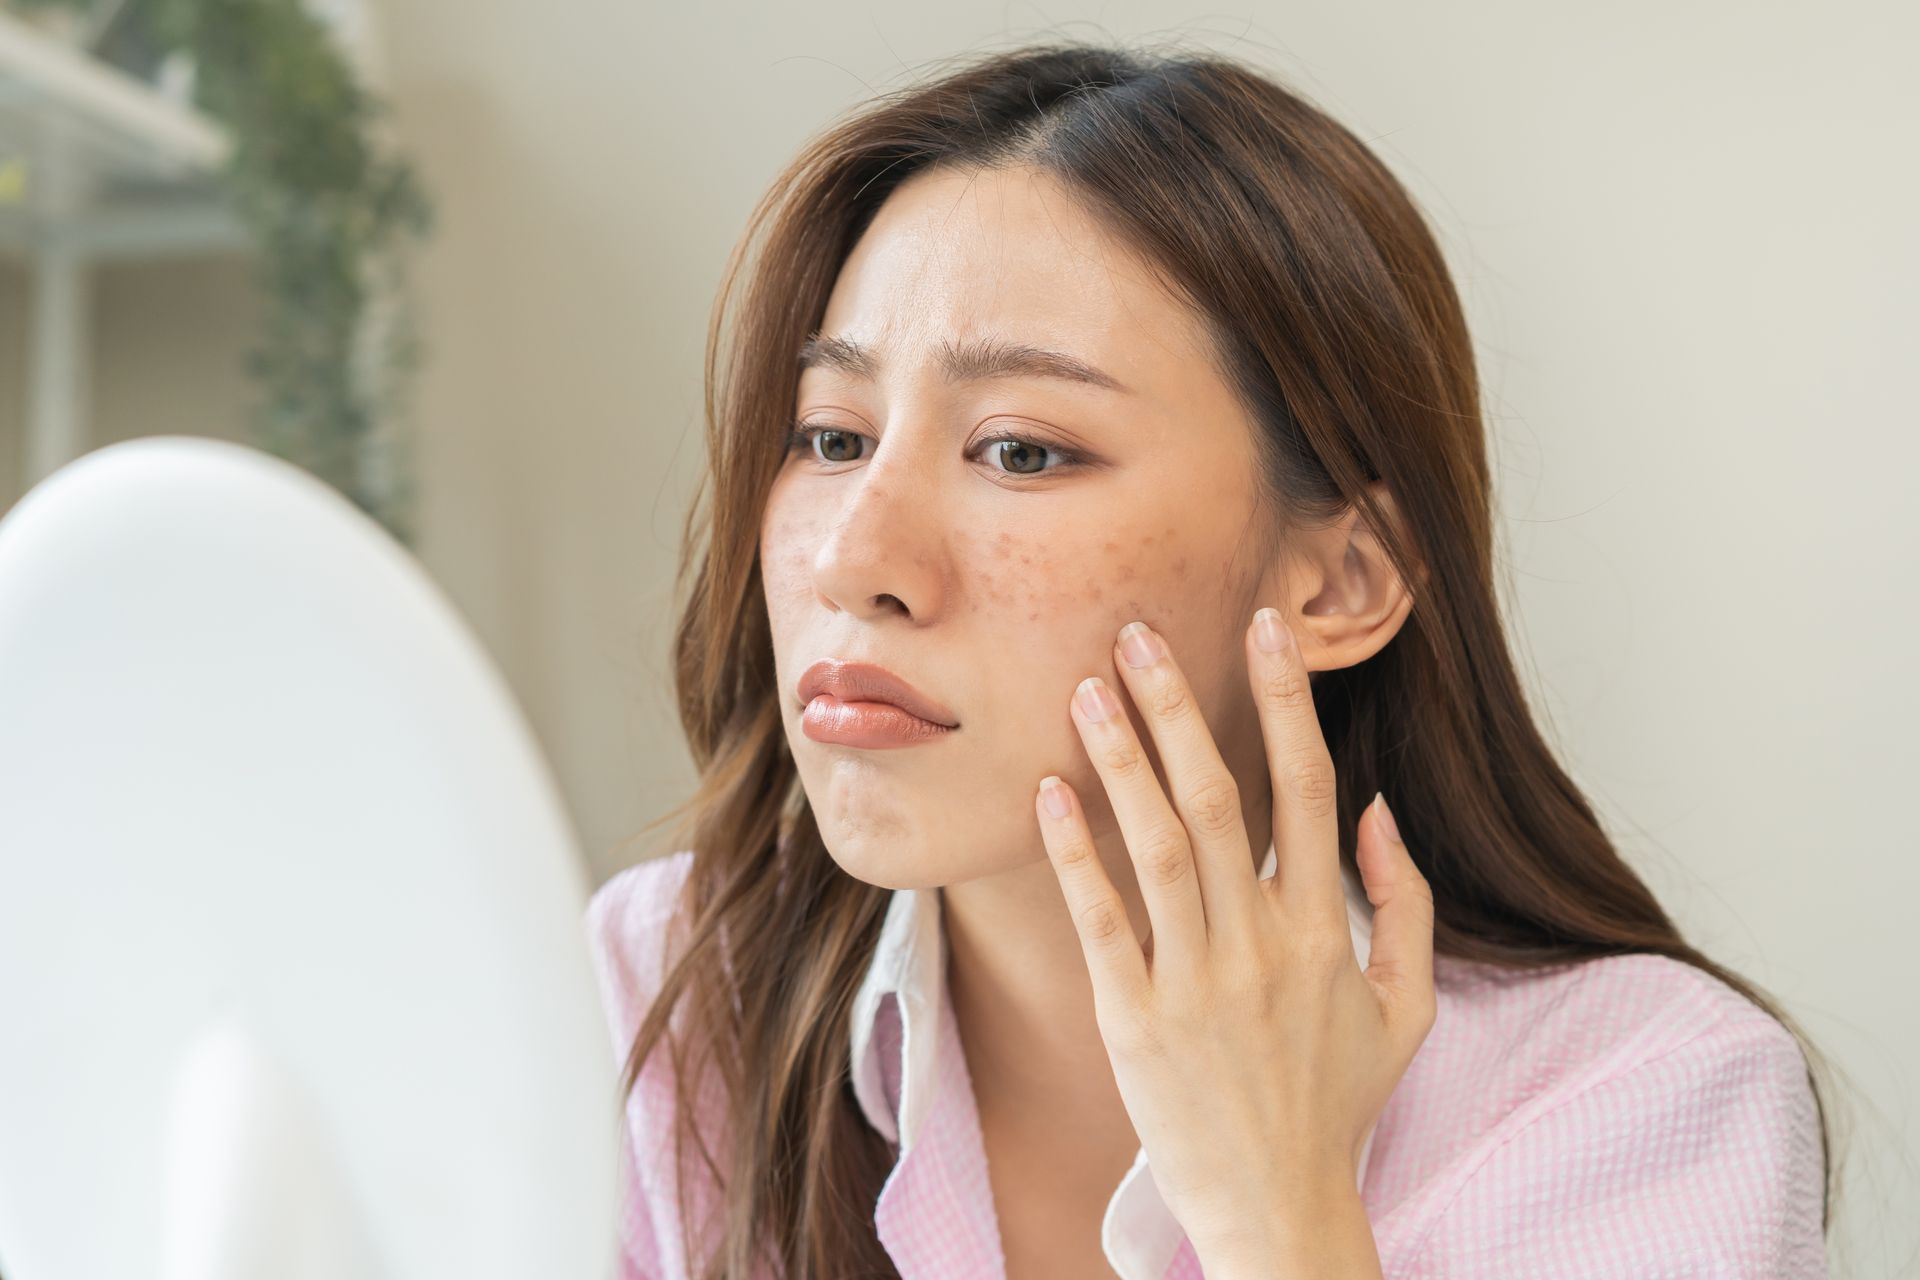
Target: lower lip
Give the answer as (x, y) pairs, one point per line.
(866, 724)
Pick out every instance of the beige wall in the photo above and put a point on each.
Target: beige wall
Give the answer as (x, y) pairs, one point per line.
(167, 339)
(1690, 261)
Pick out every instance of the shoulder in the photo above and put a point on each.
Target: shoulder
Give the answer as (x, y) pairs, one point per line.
(1633, 1110)
(626, 922)
(1552, 1033)
(1651, 1032)
(639, 898)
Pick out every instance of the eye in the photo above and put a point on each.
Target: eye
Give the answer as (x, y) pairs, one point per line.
(1019, 455)
(1024, 457)
(800, 436)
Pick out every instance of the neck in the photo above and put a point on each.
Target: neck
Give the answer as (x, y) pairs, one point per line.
(1021, 993)
(1023, 998)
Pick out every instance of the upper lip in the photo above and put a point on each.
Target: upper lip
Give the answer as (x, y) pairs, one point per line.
(865, 682)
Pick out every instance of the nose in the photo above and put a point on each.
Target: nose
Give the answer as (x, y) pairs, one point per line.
(885, 551)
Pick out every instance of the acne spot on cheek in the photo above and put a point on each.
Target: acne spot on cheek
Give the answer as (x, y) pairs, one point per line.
(1105, 578)
(999, 581)
(1108, 585)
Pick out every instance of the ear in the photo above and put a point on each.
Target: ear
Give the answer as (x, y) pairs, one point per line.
(1347, 601)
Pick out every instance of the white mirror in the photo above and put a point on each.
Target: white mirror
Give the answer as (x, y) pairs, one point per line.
(291, 916)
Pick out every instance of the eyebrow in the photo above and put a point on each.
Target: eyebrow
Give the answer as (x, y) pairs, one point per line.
(978, 360)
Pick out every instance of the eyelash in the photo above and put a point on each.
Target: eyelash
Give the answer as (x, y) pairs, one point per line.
(800, 436)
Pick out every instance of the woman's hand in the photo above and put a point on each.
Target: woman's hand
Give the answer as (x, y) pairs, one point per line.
(1252, 1053)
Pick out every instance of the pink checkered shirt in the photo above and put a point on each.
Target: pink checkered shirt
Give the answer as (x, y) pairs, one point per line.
(1627, 1116)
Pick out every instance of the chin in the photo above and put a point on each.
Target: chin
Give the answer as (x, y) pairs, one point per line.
(906, 831)
(868, 822)
(879, 861)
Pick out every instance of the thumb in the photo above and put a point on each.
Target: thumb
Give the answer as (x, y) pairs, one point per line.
(1400, 958)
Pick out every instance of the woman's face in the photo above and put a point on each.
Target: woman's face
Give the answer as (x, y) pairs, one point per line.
(993, 576)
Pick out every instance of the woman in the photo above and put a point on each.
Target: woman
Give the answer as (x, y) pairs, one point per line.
(1067, 340)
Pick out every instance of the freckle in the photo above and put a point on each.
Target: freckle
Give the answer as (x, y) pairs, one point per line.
(1180, 566)
(1033, 617)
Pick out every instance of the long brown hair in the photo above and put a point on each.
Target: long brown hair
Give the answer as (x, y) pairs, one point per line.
(1338, 325)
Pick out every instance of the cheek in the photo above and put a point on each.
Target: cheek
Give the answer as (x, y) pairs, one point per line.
(1091, 584)
(786, 554)
(1060, 603)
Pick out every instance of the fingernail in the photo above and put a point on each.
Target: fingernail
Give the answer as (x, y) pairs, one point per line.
(1386, 818)
(1096, 700)
(1054, 796)
(1268, 631)
(1139, 646)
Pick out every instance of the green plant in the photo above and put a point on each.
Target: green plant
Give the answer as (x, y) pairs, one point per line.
(332, 213)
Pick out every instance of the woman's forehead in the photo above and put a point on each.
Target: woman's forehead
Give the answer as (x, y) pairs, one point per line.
(960, 263)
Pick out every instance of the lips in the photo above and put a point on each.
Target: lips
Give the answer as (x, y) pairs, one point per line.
(866, 683)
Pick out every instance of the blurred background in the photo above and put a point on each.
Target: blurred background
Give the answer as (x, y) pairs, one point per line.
(457, 259)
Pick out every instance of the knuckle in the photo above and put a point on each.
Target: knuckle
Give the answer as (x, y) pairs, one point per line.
(1076, 853)
(1168, 699)
(1103, 922)
(1121, 760)
(1285, 689)
(1309, 779)
(1213, 806)
(1163, 858)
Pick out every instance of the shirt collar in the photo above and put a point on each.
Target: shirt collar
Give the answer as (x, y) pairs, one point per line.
(910, 965)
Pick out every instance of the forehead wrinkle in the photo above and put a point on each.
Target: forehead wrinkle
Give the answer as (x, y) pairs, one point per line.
(984, 358)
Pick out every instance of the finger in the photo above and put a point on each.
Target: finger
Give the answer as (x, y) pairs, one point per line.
(1115, 959)
(1306, 831)
(1156, 840)
(1400, 958)
(1205, 796)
